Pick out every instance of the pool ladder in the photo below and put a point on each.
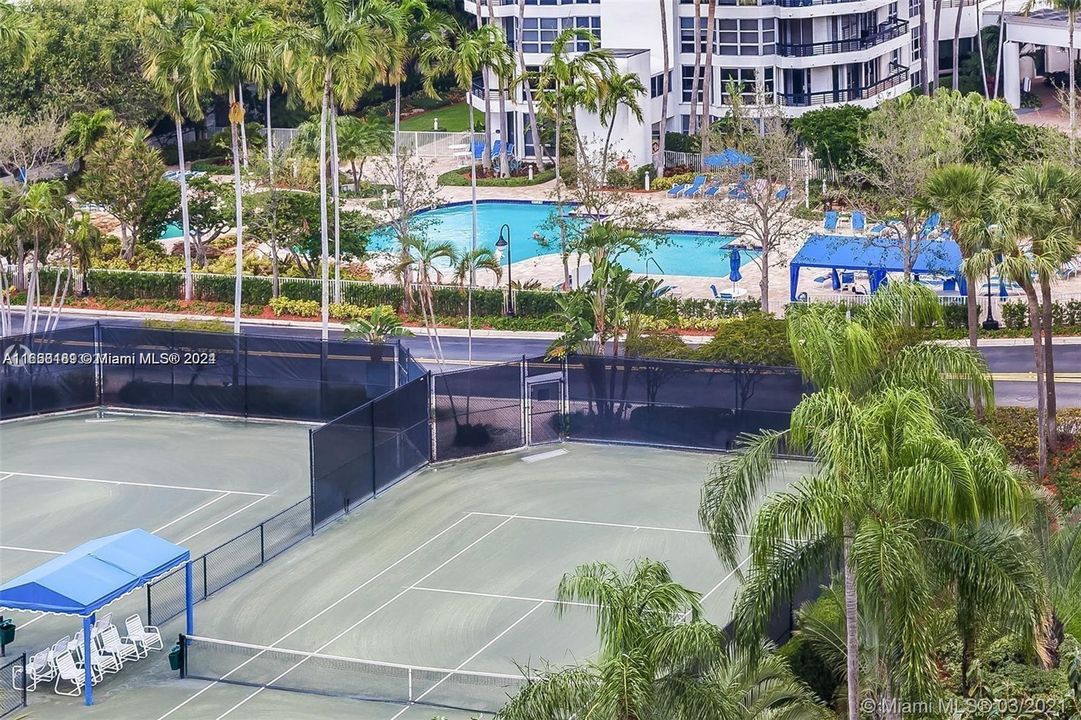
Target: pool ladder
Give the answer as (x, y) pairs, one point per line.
(655, 264)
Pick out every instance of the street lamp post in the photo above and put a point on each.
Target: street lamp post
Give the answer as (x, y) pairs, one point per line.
(990, 323)
(501, 245)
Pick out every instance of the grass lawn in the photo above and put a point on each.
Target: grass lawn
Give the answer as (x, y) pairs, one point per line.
(452, 118)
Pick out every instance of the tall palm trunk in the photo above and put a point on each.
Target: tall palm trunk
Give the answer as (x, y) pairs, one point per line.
(973, 315)
(1001, 40)
(983, 59)
(1071, 19)
(399, 185)
(243, 128)
(957, 43)
(185, 223)
(564, 255)
(925, 66)
(531, 108)
(936, 28)
(658, 162)
(504, 168)
(275, 280)
(486, 153)
(693, 126)
(707, 99)
(1036, 324)
(324, 246)
(852, 640)
(236, 117)
(337, 202)
(1047, 321)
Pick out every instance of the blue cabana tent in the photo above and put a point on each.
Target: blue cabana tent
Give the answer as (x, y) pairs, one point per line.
(89, 577)
(846, 252)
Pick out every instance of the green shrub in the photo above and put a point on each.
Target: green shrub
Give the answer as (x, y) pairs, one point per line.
(1014, 315)
(194, 150)
(757, 339)
(282, 305)
(659, 345)
(681, 142)
(135, 285)
(666, 183)
(460, 178)
(535, 303)
(218, 326)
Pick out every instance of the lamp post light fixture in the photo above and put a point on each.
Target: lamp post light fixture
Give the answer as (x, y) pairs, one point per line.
(501, 245)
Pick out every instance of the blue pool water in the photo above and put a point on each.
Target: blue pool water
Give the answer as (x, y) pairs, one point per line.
(172, 230)
(702, 254)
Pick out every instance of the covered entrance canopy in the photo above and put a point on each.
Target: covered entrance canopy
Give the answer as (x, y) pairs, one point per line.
(849, 252)
(89, 577)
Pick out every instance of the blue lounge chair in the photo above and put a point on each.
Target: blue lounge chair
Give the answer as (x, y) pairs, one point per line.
(692, 189)
(738, 193)
(859, 221)
(478, 149)
(699, 191)
(712, 190)
(716, 295)
(830, 222)
(678, 189)
(783, 194)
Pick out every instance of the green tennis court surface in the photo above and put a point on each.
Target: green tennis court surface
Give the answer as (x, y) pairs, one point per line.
(195, 481)
(454, 570)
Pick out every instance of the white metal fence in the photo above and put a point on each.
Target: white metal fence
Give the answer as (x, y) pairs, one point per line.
(438, 144)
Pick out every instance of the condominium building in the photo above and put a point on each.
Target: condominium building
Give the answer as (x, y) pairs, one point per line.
(804, 54)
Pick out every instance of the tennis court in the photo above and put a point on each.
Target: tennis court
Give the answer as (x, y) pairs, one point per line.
(435, 592)
(197, 481)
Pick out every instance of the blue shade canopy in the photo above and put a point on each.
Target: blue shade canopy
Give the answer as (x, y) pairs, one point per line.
(91, 576)
(728, 158)
(847, 252)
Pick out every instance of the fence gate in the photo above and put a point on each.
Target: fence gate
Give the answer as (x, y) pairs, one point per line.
(544, 401)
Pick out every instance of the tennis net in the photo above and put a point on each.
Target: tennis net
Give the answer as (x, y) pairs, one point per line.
(319, 674)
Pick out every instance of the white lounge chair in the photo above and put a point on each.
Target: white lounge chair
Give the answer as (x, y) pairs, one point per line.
(99, 663)
(103, 622)
(119, 648)
(68, 671)
(147, 637)
(39, 669)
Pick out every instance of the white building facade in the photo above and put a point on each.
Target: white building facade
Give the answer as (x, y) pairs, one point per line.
(805, 54)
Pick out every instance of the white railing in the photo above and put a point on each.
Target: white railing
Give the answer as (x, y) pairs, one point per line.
(796, 165)
(437, 144)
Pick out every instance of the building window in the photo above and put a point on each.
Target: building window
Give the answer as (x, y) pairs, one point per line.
(686, 34)
(916, 43)
(745, 80)
(688, 83)
(656, 85)
(744, 37)
(538, 34)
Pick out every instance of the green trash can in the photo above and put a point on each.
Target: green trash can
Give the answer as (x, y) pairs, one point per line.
(174, 657)
(7, 632)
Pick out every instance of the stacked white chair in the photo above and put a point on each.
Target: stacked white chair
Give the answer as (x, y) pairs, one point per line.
(39, 669)
(146, 637)
(68, 671)
(116, 647)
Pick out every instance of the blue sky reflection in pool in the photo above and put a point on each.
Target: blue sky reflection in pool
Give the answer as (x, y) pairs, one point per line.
(699, 254)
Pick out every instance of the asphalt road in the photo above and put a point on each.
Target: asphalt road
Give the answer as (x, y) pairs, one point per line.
(1009, 364)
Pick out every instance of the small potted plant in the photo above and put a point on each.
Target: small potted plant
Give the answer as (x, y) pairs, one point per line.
(381, 323)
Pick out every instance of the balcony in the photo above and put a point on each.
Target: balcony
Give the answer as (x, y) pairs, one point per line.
(842, 95)
(886, 31)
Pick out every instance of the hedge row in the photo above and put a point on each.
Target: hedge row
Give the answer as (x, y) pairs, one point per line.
(1063, 314)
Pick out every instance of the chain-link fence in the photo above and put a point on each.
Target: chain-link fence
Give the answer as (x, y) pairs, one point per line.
(229, 561)
(48, 372)
(478, 411)
(673, 403)
(244, 375)
(358, 455)
(12, 684)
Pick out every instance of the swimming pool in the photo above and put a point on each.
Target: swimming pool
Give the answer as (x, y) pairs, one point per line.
(688, 253)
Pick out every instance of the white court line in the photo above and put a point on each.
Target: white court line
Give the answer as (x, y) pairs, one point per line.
(33, 550)
(219, 522)
(599, 524)
(716, 587)
(330, 607)
(349, 629)
(469, 659)
(136, 484)
(546, 601)
(6, 476)
(190, 512)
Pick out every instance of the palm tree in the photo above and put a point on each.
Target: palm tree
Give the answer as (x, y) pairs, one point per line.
(425, 258)
(665, 89)
(707, 90)
(618, 91)
(337, 55)
(696, 79)
(956, 45)
(658, 658)
(83, 240)
(17, 36)
(567, 79)
(467, 263)
(175, 41)
(881, 423)
(1039, 230)
(237, 43)
(523, 80)
(40, 220)
(360, 139)
(84, 129)
(965, 196)
(1072, 8)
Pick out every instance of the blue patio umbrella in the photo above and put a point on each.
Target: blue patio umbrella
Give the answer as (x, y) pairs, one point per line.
(734, 262)
(728, 158)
